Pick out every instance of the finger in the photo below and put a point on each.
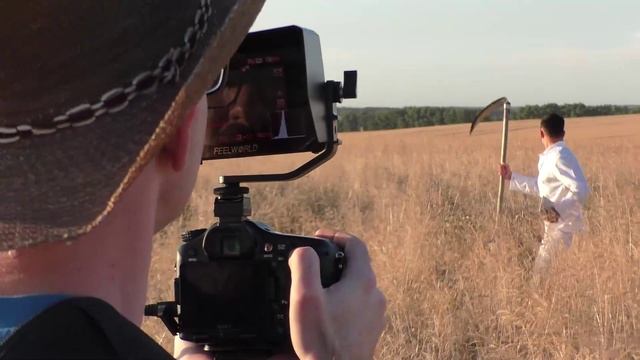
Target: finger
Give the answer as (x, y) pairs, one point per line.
(307, 317)
(354, 247)
(188, 350)
(358, 263)
(305, 271)
(341, 238)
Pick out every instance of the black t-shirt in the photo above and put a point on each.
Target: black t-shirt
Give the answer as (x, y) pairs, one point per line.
(81, 328)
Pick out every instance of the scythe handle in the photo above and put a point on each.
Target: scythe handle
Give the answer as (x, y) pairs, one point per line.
(503, 151)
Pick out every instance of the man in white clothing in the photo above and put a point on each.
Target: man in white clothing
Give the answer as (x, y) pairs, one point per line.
(562, 189)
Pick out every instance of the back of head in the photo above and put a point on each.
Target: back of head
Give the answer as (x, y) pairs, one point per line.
(90, 92)
(553, 125)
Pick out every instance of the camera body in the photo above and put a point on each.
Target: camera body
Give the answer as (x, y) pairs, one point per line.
(233, 282)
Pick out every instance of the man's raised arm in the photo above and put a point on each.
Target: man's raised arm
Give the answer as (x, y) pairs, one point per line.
(518, 182)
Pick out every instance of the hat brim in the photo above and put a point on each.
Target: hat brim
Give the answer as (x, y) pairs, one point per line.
(61, 185)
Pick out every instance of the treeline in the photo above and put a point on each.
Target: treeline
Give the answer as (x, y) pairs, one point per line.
(371, 118)
(572, 110)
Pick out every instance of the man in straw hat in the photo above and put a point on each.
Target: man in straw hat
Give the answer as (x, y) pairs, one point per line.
(102, 122)
(561, 186)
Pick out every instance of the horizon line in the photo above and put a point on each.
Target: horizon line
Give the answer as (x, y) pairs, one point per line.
(480, 106)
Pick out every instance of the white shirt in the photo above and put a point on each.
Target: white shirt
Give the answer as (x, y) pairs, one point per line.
(561, 180)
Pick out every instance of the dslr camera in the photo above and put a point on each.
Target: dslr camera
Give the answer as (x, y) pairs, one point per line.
(233, 279)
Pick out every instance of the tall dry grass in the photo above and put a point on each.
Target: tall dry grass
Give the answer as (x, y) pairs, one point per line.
(459, 285)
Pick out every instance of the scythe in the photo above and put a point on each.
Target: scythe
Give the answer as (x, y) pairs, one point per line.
(485, 113)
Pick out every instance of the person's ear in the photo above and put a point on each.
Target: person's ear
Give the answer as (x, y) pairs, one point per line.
(541, 133)
(174, 153)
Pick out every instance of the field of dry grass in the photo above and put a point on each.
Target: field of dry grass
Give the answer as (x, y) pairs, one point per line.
(458, 285)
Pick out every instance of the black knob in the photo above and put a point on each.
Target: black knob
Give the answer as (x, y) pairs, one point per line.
(349, 89)
(231, 190)
(191, 235)
(335, 91)
(151, 310)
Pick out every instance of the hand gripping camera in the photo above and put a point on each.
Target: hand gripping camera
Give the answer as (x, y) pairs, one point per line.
(233, 279)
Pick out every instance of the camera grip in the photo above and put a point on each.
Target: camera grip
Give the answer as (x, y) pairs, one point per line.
(331, 256)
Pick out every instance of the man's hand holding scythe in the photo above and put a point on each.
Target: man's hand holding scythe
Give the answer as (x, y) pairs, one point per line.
(505, 171)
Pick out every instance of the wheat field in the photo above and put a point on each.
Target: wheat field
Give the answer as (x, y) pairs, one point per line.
(458, 282)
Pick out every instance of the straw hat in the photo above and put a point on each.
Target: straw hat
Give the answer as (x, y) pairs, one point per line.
(89, 91)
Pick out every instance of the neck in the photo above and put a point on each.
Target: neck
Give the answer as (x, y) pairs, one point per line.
(111, 262)
(552, 141)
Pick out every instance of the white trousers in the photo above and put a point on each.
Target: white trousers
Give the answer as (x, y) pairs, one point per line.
(554, 242)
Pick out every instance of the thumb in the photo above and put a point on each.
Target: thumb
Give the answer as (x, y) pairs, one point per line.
(307, 313)
(305, 271)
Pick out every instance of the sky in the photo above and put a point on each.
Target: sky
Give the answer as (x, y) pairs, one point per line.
(470, 52)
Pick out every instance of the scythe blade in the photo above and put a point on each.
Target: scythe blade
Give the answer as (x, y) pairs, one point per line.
(488, 110)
